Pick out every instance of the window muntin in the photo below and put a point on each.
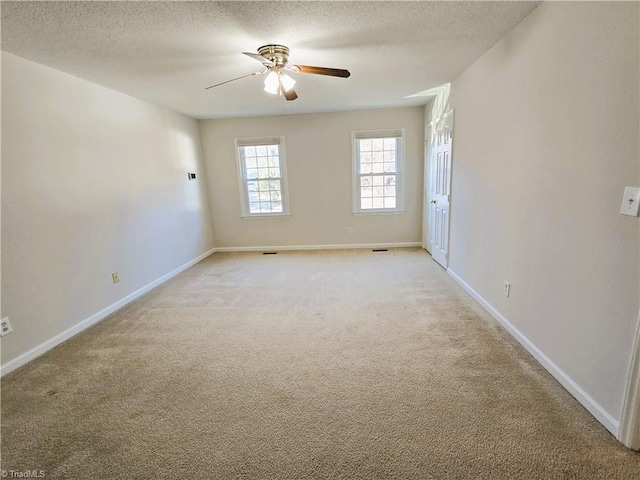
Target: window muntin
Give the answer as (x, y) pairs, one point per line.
(261, 167)
(377, 171)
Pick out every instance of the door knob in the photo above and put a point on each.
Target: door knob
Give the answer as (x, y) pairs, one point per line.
(434, 201)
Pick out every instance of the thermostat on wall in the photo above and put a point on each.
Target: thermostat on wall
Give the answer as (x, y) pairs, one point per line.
(191, 176)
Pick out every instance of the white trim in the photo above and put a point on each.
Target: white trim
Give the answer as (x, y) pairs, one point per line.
(35, 352)
(604, 417)
(428, 130)
(399, 136)
(432, 92)
(629, 432)
(378, 211)
(257, 141)
(279, 141)
(439, 118)
(344, 246)
(366, 134)
(253, 216)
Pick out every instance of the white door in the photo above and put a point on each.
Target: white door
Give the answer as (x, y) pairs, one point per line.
(438, 189)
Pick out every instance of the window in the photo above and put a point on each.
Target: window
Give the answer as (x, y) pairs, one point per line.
(262, 174)
(377, 171)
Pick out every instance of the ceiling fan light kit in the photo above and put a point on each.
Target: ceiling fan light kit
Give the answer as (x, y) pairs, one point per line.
(272, 83)
(275, 59)
(287, 82)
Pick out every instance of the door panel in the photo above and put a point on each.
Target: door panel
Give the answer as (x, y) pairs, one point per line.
(437, 195)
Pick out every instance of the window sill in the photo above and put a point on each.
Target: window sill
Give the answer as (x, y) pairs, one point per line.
(379, 212)
(265, 215)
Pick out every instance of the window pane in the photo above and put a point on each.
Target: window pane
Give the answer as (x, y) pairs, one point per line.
(252, 173)
(365, 144)
(377, 157)
(389, 156)
(366, 203)
(390, 191)
(378, 191)
(377, 180)
(261, 150)
(254, 208)
(366, 181)
(377, 144)
(365, 168)
(389, 179)
(249, 151)
(272, 150)
(274, 172)
(251, 162)
(389, 167)
(389, 143)
(276, 207)
(390, 202)
(365, 157)
(263, 186)
(273, 161)
(252, 186)
(263, 162)
(378, 203)
(377, 167)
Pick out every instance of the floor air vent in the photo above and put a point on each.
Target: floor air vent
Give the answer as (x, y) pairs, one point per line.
(380, 250)
(269, 253)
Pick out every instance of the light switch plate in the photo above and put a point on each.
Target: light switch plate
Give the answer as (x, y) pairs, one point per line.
(630, 201)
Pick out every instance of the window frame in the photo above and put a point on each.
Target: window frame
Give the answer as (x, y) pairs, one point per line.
(399, 135)
(278, 140)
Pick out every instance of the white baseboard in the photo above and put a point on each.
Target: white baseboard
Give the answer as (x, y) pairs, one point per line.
(93, 319)
(345, 246)
(604, 417)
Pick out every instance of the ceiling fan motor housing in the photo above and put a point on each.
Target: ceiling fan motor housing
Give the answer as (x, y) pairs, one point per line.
(278, 54)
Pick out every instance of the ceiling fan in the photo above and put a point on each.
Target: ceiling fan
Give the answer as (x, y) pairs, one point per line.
(275, 58)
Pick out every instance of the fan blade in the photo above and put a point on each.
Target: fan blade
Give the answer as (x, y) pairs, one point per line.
(234, 79)
(260, 58)
(332, 72)
(288, 94)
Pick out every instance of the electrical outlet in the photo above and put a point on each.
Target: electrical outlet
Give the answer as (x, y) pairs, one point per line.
(5, 327)
(506, 288)
(630, 201)
(349, 231)
(116, 277)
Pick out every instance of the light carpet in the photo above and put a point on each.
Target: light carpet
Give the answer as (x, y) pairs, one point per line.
(320, 365)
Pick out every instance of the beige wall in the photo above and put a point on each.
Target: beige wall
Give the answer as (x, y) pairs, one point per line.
(546, 139)
(319, 164)
(93, 182)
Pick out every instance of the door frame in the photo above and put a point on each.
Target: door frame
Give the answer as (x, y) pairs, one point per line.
(629, 430)
(428, 129)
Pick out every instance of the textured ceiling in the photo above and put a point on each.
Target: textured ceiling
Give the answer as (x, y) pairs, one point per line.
(168, 52)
